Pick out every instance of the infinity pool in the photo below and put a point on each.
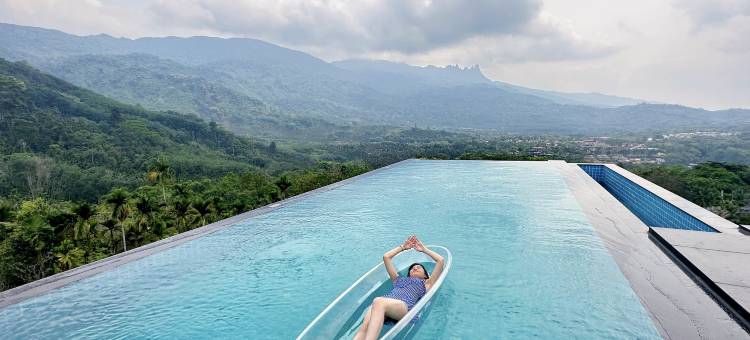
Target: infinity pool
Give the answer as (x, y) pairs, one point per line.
(527, 264)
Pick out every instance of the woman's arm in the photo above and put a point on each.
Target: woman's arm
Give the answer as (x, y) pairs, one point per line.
(439, 261)
(387, 257)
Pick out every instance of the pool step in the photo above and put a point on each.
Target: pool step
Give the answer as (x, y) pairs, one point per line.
(719, 262)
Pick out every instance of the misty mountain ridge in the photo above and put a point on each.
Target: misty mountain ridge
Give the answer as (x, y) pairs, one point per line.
(23, 43)
(239, 81)
(382, 75)
(388, 76)
(398, 74)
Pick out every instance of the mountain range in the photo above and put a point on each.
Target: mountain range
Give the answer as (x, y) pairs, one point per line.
(257, 88)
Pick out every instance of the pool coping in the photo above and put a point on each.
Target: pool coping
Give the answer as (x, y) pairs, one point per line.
(39, 287)
(677, 305)
(716, 261)
(704, 215)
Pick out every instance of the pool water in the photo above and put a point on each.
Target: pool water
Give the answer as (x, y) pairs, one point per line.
(527, 264)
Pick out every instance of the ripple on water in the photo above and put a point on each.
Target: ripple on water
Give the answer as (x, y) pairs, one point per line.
(526, 264)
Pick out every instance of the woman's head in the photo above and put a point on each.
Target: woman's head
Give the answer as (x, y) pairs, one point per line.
(418, 270)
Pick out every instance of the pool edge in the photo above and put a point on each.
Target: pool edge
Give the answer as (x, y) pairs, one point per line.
(39, 287)
(704, 215)
(678, 307)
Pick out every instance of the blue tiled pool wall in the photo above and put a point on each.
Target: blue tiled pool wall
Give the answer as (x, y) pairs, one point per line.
(595, 171)
(650, 208)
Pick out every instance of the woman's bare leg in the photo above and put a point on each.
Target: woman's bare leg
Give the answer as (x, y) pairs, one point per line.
(363, 328)
(382, 307)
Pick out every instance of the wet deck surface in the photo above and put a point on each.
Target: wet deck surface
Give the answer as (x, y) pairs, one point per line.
(721, 258)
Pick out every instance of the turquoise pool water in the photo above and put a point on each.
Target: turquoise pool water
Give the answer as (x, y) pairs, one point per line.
(527, 264)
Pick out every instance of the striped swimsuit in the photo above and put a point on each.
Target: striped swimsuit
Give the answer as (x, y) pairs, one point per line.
(408, 290)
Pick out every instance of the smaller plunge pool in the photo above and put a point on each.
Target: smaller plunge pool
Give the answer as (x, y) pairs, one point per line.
(653, 210)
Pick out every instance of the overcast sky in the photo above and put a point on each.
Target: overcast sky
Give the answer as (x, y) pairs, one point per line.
(692, 52)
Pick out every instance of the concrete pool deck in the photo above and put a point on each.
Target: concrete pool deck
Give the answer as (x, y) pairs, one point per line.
(718, 261)
(678, 305)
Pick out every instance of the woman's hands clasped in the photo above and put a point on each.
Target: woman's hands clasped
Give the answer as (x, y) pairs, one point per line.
(409, 243)
(418, 246)
(413, 242)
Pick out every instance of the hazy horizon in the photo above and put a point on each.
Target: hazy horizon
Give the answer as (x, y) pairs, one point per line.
(683, 52)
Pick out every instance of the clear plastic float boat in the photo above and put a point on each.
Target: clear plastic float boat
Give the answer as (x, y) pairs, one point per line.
(342, 318)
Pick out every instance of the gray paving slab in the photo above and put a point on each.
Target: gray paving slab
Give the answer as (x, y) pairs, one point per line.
(720, 261)
(703, 240)
(740, 294)
(678, 306)
(721, 266)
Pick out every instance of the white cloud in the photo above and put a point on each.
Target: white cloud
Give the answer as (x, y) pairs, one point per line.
(76, 17)
(716, 12)
(512, 31)
(406, 27)
(693, 52)
(725, 24)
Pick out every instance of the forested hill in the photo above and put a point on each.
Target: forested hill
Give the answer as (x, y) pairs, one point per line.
(161, 84)
(60, 141)
(254, 87)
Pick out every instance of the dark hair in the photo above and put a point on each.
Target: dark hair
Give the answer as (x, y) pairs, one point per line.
(426, 273)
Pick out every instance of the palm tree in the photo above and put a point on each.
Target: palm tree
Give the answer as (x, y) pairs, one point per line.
(181, 190)
(145, 207)
(84, 212)
(201, 210)
(283, 184)
(36, 232)
(110, 225)
(181, 211)
(69, 256)
(73, 258)
(160, 172)
(118, 199)
(146, 216)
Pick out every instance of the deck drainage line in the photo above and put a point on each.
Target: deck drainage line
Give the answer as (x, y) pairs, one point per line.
(739, 313)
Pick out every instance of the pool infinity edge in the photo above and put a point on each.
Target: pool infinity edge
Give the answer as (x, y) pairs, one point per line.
(42, 286)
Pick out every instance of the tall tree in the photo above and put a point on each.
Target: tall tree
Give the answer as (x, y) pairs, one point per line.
(162, 173)
(181, 210)
(118, 200)
(36, 233)
(283, 183)
(146, 209)
(110, 225)
(84, 212)
(69, 256)
(202, 210)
